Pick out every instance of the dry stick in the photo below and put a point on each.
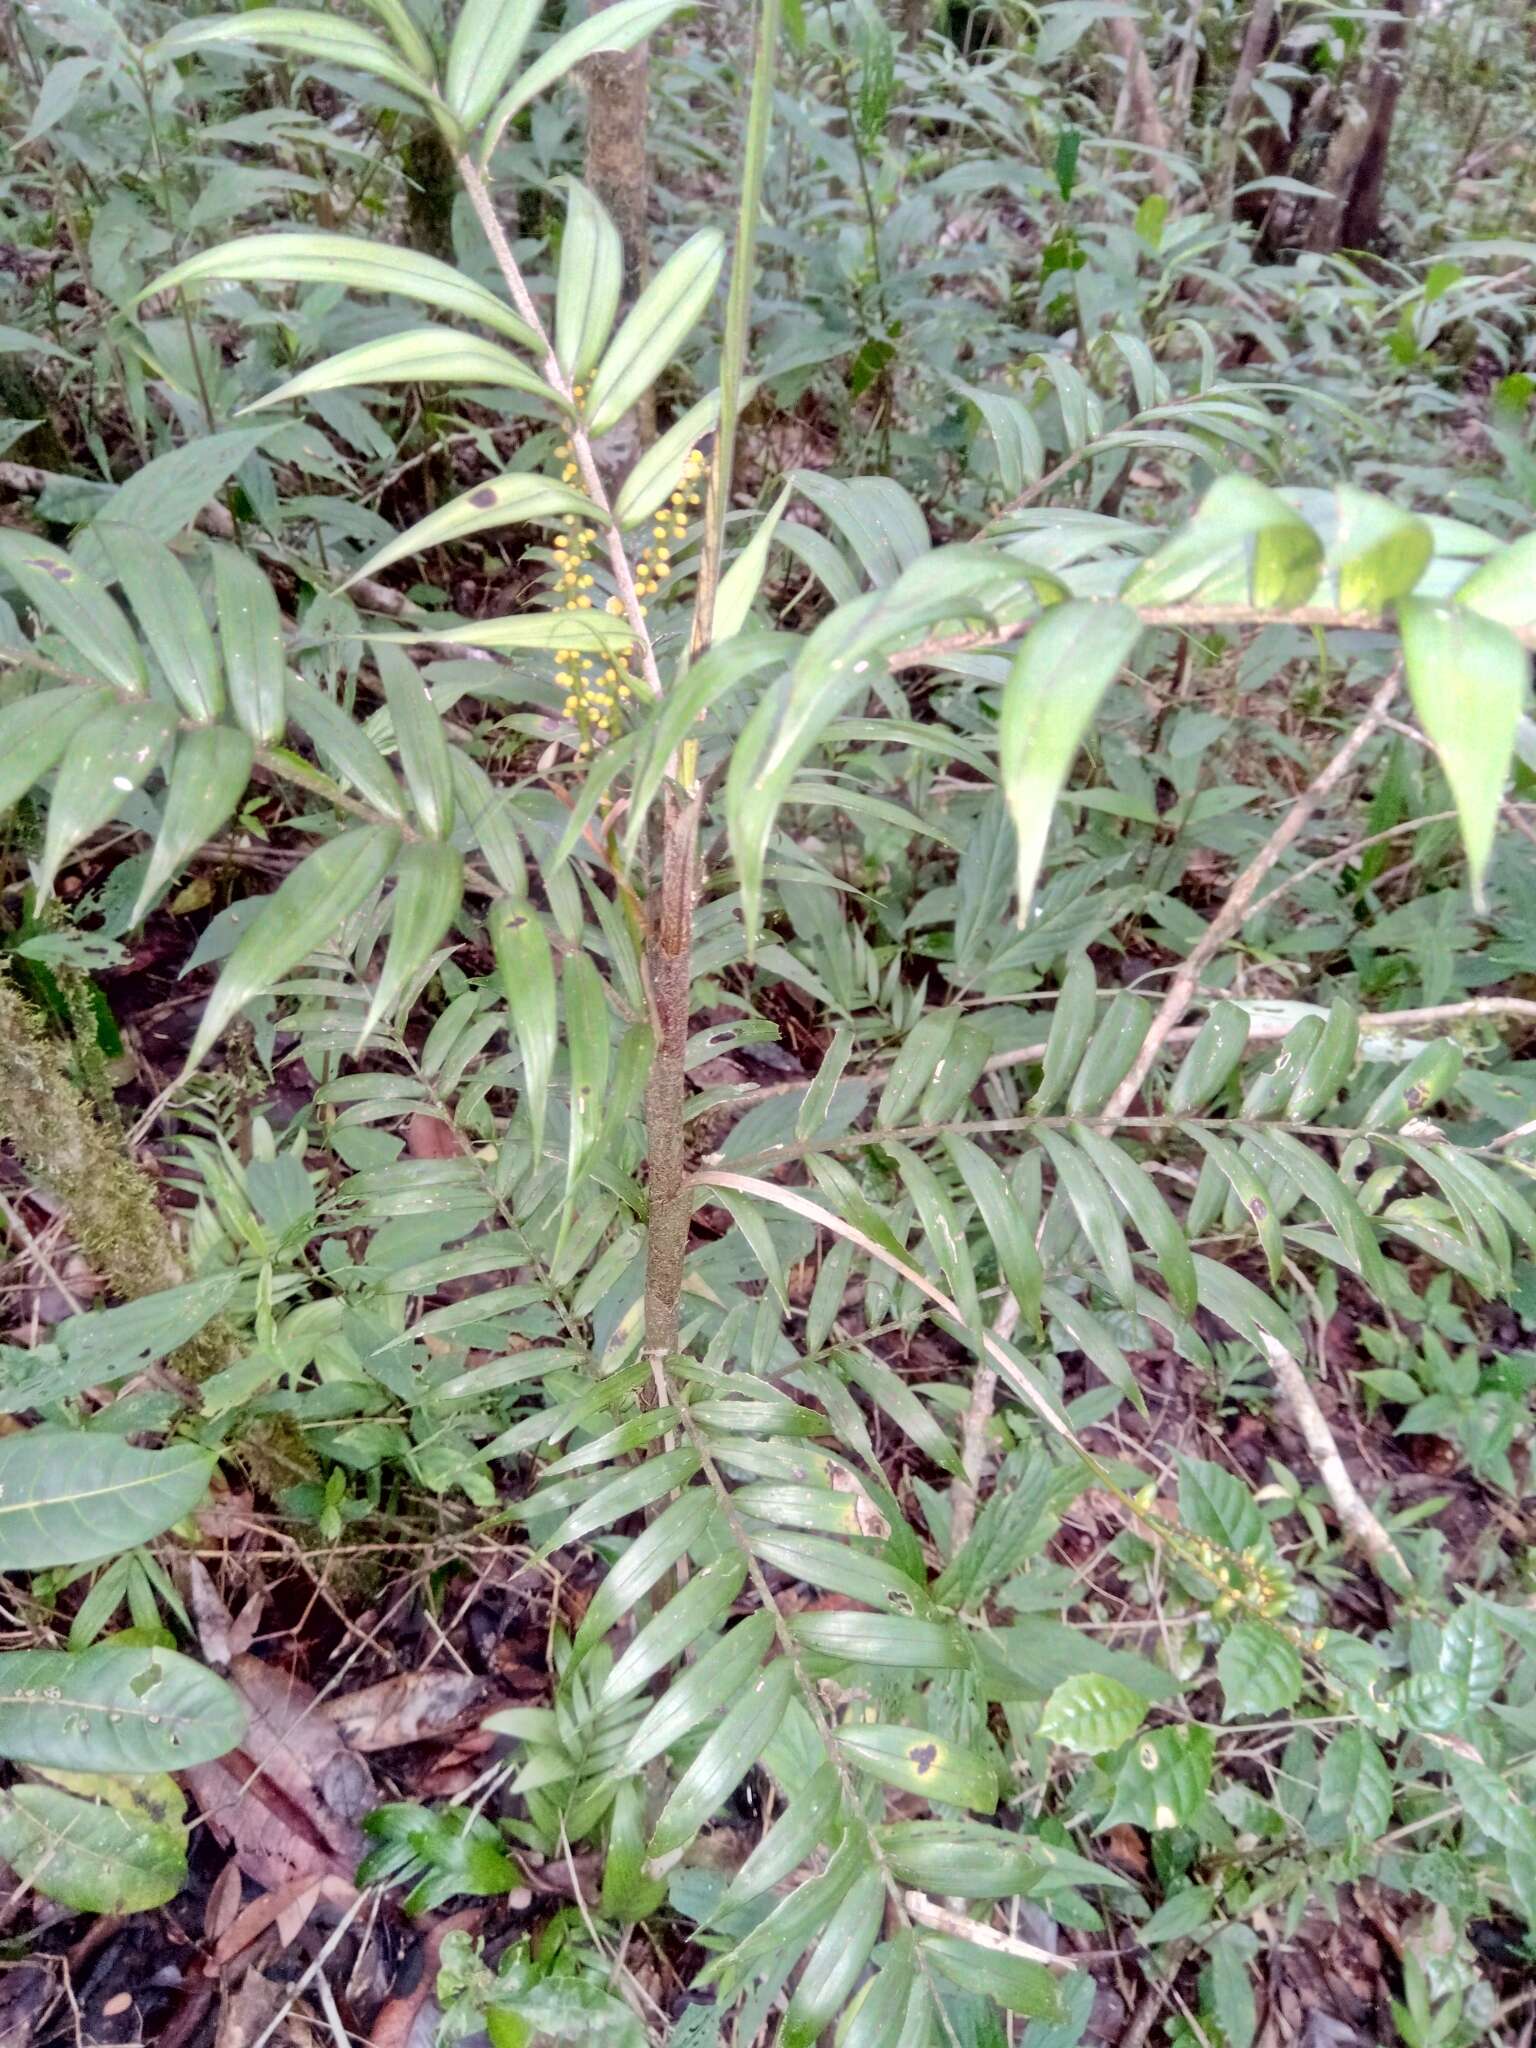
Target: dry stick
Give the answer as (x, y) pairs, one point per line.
(973, 1435)
(1359, 1523)
(929, 1913)
(1182, 988)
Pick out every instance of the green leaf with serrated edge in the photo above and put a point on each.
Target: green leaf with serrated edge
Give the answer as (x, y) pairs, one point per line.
(1379, 553)
(114, 1707)
(807, 1823)
(1214, 1504)
(1064, 667)
(34, 732)
(1182, 1914)
(1164, 1779)
(708, 1685)
(730, 1752)
(118, 748)
(518, 500)
(895, 1639)
(932, 1766)
(1253, 1197)
(311, 904)
(75, 605)
(208, 777)
(91, 1857)
(308, 33)
(876, 2018)
(666, 312)
(1092, 1713)
(1356, 1783)
(419, 740)
(836, 1963)
(959, 1858)
(691, 1613)
(525, 968)
(1472, 1654)
(1138, 1195)
(625, 1495)
(416, 355)
(1244, 545)
(1016, 1984)
(743, 579)
(486, 813)
(1327, 1066)
(1096, 1214)
(1210, 1061)
(484, 50)
(170, 613)
(589, 283)
(68, 1499)
(1260, 1670)
(343, 261)
(1504, 587)
(618, 27)
(429, 887)
(251, 635)
(1017, 1259)
(1122, 1032)
(344, 747)
(1231, 1950)
(1072, 1024)
(1467, 677)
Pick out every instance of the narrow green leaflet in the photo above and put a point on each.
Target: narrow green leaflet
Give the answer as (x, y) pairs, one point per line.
(1504, 587)
(1211, 1060)
(487, 42)
(526, 968)
(1096, 1213)
(1244, 545)
(612, 28)
(34, 732)
(486, 810)
(1139, 1196)
(1004, 1223)
(114, 1707)
(931, 1766)
(807, 1822)
(319, 895)
(344, 260)
(1064, 667)
(417, 355)
(664, 314)
(726, 1758)
(116, 750)
(1072, 1026)
(251, 635)
(836, 1963)
(1017, 1984)
(170, 612)
(66, 1498)
(1381, 552)
(895, 1639)
(420, 741)
(409, 40)
(518, 500)
(1468, 677)
(707, 1686)
(590, 281)
(689, 1615)
(654, 476)
(344, 747)
(329, 37)
(209, 776)
(743, 579)
(91, 1856)
(587, 1044)
(75, 605)
(429, 887)
(1092, 1713)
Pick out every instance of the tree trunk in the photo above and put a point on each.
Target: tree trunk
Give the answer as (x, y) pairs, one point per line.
(1184, 74)
(1141, 112)
(618, 95)
(1361, 226)
(1257, 39)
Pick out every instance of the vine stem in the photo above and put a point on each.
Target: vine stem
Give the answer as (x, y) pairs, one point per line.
(581, 446)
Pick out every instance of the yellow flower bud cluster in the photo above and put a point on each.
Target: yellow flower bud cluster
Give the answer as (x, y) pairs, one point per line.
(598, 686)
(1250, 1581)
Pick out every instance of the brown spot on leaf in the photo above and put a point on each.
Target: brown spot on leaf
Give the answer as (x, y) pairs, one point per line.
(925, 1756)
(484, 496)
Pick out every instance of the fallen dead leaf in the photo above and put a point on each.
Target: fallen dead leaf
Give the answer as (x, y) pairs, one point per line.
(418, 1706)
(287, 1908)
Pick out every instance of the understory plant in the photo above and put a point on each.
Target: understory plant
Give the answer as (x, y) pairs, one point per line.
(647, 1315)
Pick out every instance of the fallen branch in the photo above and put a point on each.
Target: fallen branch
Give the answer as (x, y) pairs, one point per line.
(929, 1913)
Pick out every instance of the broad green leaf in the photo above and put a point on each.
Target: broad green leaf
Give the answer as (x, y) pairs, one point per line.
(836, 1963)
(345, 260)
(170, 613)
(168, 493)
(1472, 1654)
(419, 740)
(416, 355)
(521, 499)
(209, 775)
(68, 1498)
(727, 1756)
(1260, 1670)
(1504, 587)
(1379, 551)
(1092, 1713)
(705, 1688)
(1467, 676)
(329, 37)
(932, 1766)
(91, 1857)
(1066, 664)
(1214, 1504)
(1181, 1914)
(114, 1707)
(483, 52)
(611, 28)
(664, 314)
(1017, 1984)
(35, 730)
(590, 281)
(251, 635)
(429, 887)
(112, 753)
(1244, 545)
(311, 905)
(343, 746)
(102, 1346)
(1164, 1779)
(1231, 1950)
(525, 967)
(75, 605)
(1356, 1783)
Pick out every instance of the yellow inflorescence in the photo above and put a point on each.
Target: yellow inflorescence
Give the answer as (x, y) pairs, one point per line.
(599, 686)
